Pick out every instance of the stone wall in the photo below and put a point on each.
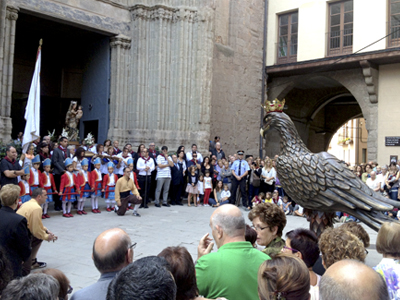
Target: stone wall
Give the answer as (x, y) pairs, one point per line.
(237, 69)
(181, 71)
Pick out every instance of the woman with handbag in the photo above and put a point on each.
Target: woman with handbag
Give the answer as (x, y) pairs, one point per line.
(268, 177)
(254, 181)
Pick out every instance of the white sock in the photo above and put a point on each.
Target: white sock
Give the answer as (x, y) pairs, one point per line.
(69, 206)
(45, 206)
(64, 207)
(93, 206)
(116, 208)
(96, 202)
(108, 203)
(113, 203)
(136, 207)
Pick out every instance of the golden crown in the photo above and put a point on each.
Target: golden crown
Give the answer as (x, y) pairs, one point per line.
(274, 106)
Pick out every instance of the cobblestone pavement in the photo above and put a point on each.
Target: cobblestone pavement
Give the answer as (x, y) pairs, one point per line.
(156, 229)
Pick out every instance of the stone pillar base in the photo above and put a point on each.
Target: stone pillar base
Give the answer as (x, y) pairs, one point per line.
(5, 129)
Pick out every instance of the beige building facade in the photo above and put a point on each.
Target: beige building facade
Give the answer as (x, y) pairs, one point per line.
(175, 72)
(349, 143)
(334, 61)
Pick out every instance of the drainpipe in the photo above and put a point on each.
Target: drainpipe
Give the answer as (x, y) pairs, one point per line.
(264, 74)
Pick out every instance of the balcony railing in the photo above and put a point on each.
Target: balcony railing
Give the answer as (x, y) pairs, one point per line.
(394, 34)
(339, 42)
(286, 52)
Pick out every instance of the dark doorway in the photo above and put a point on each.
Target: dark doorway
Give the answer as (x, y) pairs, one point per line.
(93, 128)
(66, 53)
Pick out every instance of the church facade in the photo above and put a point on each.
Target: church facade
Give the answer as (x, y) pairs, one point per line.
(173, 72)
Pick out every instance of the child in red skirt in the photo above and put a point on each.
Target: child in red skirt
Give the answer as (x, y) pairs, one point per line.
(68, 181)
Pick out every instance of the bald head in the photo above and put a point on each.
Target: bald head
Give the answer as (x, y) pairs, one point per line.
(352, 280)
(111, 250)
(230, 219)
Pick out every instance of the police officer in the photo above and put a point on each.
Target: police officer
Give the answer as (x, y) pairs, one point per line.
(240, 169)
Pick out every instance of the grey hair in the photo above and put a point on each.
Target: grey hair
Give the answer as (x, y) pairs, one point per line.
(332, 289)
(37, 286)
(231, 225)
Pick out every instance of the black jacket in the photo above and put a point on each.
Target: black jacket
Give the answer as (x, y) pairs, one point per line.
(57, 161)
(14, 238)
(176, 176)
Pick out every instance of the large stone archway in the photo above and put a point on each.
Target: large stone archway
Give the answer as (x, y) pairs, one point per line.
(319, 103)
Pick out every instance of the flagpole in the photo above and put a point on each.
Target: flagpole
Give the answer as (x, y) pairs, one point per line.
(32, 110)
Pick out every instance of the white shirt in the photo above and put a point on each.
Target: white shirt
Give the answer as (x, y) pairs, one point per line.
(27, 187)
(48, 179)
(123, 164)
(271, 173)
(199, 156)
(314, 289)
(112, 179)
(103, 167)
(207, 183)
(36, 176)
(225, 194)
(163, 172)
(78, 165)
(200, 187)
(71, 178)
(99, 175)
(93, 149)
(85, 175)
(142, 164)
(373, 184)
(381, 179)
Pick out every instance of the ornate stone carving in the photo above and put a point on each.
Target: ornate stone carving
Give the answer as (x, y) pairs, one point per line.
(164, 13)
(371, 76)
(120, 41)
(12, 13)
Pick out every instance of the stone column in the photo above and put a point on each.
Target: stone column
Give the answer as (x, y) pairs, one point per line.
(119, 87)
(172, 72)
(7, 64)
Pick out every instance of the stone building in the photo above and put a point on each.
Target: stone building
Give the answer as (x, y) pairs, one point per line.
(334, 61)
(170, 71)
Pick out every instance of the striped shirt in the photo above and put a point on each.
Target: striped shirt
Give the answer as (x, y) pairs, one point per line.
(163, 172)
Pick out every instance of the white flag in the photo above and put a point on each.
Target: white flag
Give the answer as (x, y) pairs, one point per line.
(32, 110)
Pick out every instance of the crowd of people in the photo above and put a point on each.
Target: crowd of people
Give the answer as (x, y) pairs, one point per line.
(383, 179)
(295, 266)
(74, 176)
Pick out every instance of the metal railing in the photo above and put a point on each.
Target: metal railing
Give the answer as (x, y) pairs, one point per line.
(339, 42)
(286, 52)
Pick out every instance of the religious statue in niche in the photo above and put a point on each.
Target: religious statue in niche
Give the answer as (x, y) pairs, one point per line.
(72, 118)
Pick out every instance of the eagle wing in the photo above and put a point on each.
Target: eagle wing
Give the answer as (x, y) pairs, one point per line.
(322, 182)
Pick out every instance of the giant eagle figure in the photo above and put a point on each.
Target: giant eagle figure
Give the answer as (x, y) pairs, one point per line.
(320, 182)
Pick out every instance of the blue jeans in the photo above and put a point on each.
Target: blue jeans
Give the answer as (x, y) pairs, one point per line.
(393, 193)
(253, 191)
(213, 202)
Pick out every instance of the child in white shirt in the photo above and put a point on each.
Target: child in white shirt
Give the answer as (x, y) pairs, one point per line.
(200, 189)
(207, 187)
(225, 194)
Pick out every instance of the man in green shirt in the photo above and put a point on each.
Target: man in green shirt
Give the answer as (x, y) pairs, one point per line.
(231, 272)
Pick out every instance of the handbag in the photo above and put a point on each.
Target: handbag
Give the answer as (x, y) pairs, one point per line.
(255, 179)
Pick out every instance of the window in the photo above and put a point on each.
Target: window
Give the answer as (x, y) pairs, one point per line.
(340, 35)
(364, 155)
(394, 23)
(287, 40)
